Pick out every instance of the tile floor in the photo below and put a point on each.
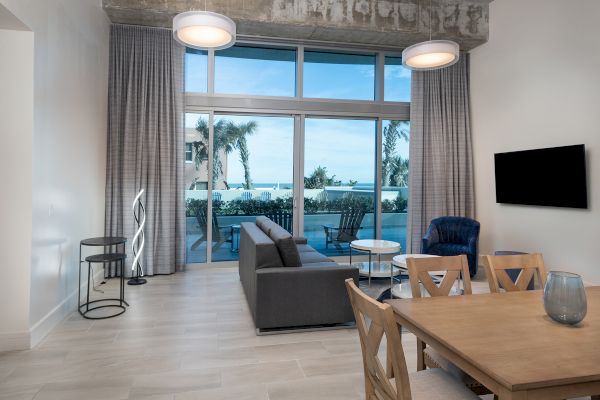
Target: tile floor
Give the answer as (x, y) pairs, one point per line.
(187, 336)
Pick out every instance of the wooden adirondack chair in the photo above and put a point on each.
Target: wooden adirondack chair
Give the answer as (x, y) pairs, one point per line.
(265, 196)
(283, 219)
(347, 231)
(220, 234)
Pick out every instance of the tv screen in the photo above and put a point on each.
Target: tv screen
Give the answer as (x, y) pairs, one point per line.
(554, 177)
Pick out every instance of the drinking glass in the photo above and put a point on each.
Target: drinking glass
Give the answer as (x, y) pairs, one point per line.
(564, 297)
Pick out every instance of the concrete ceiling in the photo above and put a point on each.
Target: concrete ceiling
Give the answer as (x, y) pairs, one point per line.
(376, 23)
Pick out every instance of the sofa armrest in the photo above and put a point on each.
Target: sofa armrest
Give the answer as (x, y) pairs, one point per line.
(301, 296)
(300, 240)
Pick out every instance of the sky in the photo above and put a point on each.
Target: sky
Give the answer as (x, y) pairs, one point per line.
(345, 147)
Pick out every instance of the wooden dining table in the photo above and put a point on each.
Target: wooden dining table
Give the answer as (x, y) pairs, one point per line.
(508, 343)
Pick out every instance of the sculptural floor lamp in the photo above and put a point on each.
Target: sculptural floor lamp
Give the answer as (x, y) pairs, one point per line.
(137, 244)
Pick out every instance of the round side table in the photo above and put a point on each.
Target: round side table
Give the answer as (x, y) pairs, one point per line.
(119, 303)
(379, 247)
(109, 243)
(110, 246)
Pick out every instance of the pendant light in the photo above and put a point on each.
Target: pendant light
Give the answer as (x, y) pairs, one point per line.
(204, 30)
(432, 54)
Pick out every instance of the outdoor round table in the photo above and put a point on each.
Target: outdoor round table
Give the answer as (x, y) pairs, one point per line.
(379, 247)
(235, 232)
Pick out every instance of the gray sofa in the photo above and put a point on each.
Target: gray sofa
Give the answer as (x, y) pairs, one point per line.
(287, 283)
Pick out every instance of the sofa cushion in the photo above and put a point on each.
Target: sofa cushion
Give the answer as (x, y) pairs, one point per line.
(321, 265)
(309, 257)
(303, 248)
(286, 246)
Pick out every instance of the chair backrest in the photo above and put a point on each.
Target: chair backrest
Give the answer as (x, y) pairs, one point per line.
(453, 266)
(216, 196)
(381, 318)
(265, 196)
(350, 222)
(283, 219)
(202, 221)
(529, 264)
(246, 196)
(455, 229)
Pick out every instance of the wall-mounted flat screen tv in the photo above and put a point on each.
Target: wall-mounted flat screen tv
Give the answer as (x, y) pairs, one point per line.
(554, 177)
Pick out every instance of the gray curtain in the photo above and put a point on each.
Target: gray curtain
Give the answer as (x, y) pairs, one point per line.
(441, 160)
(146, 143)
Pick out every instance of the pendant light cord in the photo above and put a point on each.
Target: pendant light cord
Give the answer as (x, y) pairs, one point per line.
(429, 20)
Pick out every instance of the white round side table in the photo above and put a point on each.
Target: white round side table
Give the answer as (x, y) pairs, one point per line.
(379, 247)
(400, 261)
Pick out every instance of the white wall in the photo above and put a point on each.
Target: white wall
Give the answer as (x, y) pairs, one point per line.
(16, 129)
(536, 84)
(71, 40)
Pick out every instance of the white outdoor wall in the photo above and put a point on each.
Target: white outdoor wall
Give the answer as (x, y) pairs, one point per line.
(71, 41)
(536, 84)
(16, 129)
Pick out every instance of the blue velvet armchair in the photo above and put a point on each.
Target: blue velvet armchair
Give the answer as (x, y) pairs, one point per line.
(452, 236)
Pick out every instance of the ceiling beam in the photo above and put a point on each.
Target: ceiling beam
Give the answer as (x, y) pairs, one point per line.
(382, 23)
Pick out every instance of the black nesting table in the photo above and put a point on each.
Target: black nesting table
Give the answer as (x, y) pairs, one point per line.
(111, 256)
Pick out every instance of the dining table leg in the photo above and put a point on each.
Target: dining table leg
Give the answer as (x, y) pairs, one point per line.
(420, 355)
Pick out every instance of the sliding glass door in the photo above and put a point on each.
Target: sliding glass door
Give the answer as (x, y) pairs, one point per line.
(252, 175)
(339, 182)
(196, 186)
(394, 180)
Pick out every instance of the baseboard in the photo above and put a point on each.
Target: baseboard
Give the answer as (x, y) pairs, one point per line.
(45, 325)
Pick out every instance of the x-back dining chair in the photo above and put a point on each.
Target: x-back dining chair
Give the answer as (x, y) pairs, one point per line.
(529, 264)
(454, 268)
(430, 384)
(420, 273)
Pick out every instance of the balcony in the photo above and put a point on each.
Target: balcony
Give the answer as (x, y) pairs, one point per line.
(322, 207)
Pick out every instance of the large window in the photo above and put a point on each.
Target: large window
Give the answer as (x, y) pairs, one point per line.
(255, 71)
(298, 141)
(196, 71)
(397, 80)
(339, 76)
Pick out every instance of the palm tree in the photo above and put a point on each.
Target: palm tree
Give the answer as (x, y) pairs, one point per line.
(391, 162)
(240, 131)
(318, 179)
(398, 174)
(228, 136)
